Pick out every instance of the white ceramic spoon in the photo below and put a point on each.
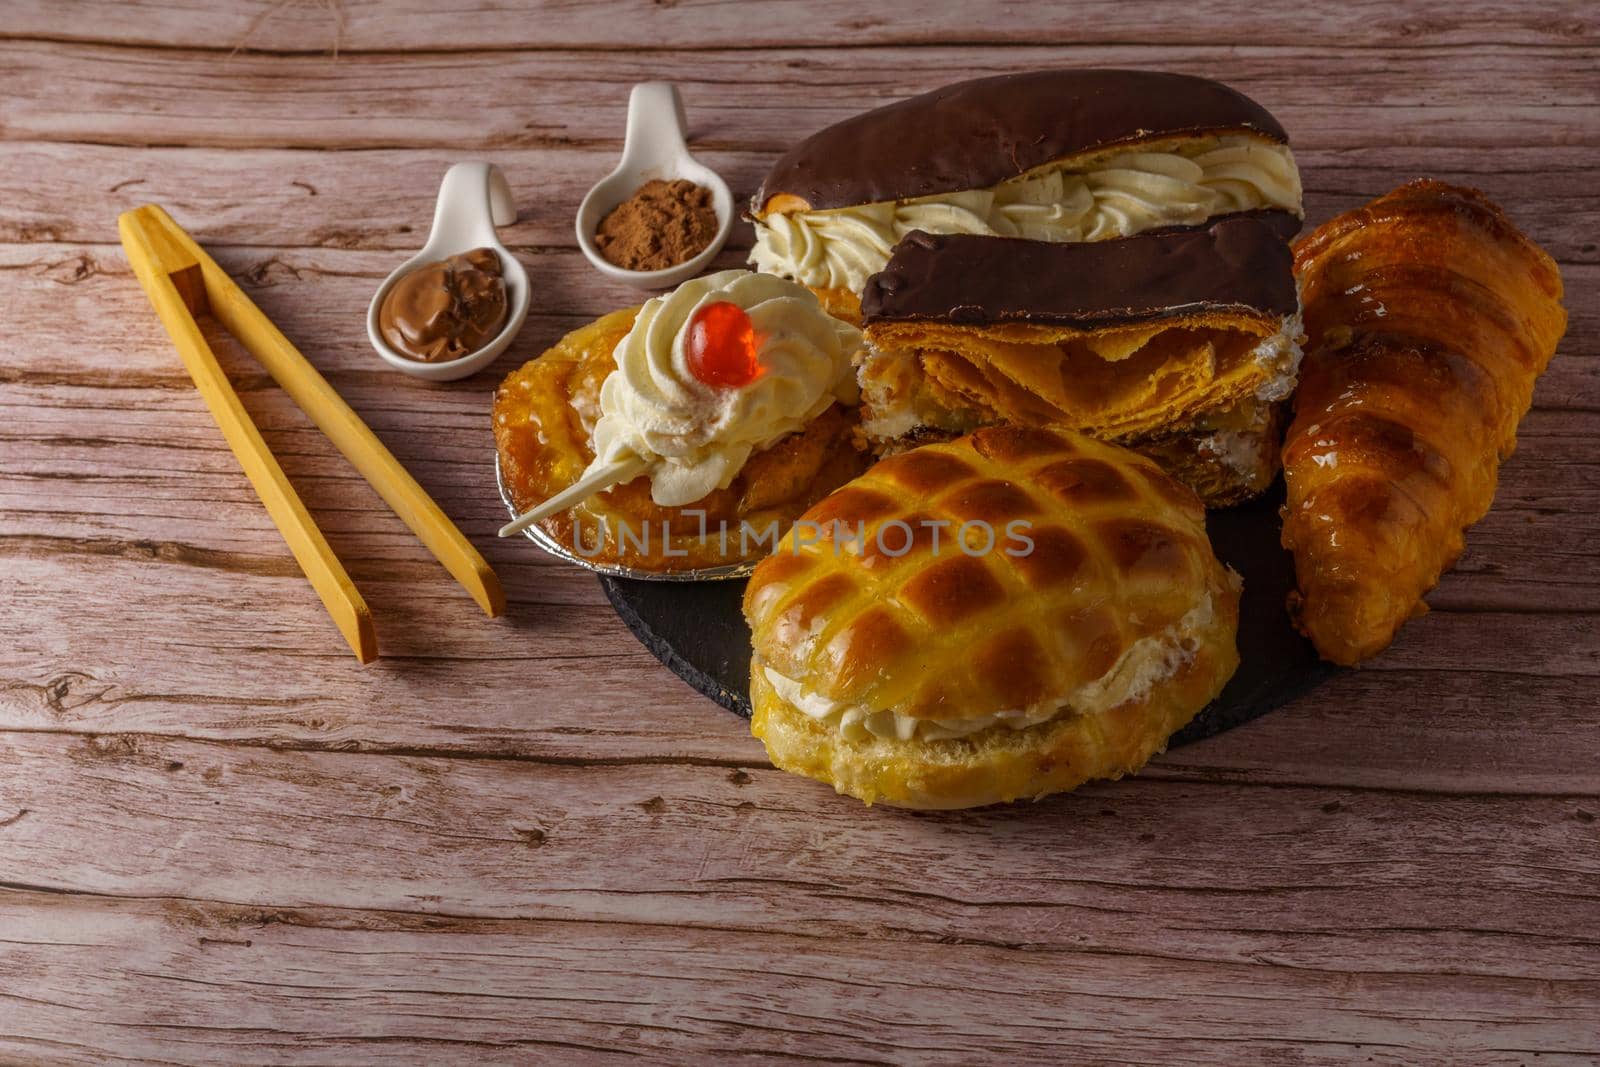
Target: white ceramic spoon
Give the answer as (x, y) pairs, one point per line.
(473, 199)
(654, 148)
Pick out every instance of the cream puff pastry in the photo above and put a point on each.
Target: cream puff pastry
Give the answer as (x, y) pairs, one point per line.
(1003, 616)
(1055, 155)
(733, 459)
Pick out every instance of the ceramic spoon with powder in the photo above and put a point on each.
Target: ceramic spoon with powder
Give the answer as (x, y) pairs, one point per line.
(663, 224)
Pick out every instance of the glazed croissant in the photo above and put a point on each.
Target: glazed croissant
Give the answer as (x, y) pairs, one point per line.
(1428, 317)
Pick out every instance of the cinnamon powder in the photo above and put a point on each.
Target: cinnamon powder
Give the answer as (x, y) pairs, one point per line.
(660, 226)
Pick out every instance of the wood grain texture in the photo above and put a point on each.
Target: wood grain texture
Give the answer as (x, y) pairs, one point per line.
(454, 25)
(312, 197)
(283, 985)
(556, 100)
(521, 840)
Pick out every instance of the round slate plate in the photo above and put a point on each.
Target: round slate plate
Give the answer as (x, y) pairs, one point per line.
(697, 630)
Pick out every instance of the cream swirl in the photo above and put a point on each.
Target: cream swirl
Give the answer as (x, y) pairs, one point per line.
(696, 437)
(1117, 195)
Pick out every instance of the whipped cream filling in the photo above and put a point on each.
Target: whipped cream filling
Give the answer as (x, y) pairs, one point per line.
(696, 437)
(1281, 351)
(1116, 195)
(1142, 665)
(1238, 451)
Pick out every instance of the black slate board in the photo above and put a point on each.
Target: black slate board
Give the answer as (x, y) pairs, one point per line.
(697, 630)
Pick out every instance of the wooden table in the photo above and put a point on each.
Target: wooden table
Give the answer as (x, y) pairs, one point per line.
(223, 841)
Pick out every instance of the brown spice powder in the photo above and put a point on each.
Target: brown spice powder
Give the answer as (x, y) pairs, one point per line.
(660, 226)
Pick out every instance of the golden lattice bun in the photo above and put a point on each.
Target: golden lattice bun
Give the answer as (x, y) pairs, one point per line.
(1071, 618)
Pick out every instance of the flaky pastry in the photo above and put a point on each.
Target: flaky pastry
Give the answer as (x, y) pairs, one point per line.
(1428, 317)
(1227, 456)
(544, 417)
(1160, 339)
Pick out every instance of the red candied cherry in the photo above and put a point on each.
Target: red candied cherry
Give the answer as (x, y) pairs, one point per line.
(723, 346)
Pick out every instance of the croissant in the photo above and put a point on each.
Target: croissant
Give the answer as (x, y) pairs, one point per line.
(1428, 318)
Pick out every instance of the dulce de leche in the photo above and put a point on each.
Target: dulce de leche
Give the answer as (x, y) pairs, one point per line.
(447, 309)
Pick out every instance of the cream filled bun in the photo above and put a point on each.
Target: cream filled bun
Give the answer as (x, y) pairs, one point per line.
(735, 393)
(1003, 616)
(1070, 155)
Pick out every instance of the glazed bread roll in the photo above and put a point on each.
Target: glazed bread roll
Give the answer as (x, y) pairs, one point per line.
(1066, 155)
(1429, 316)
(1065, 620)
(1142, 340)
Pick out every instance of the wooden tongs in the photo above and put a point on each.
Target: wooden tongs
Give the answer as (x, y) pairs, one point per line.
(182, 282)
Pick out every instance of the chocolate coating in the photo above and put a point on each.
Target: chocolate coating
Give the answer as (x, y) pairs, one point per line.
(975, 134)
(445, 310)
(1238, 262)
(1283, 223)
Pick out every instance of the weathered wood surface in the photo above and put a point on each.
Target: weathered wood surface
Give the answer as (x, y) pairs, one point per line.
(456, 25)
(554, 100)
(221, 840)
(529, 990)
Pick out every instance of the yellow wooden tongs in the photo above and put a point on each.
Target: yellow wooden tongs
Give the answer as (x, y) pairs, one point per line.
(182, 282)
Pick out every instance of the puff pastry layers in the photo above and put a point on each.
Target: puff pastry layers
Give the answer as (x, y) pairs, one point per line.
(922, 677)
(1162, 340)
(544, 416)
(1428, 316)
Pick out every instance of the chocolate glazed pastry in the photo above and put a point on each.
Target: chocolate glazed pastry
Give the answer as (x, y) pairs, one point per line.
(983, 281)
(445, 310)
(974, 134)
(1060, 156)
(1178, 343)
